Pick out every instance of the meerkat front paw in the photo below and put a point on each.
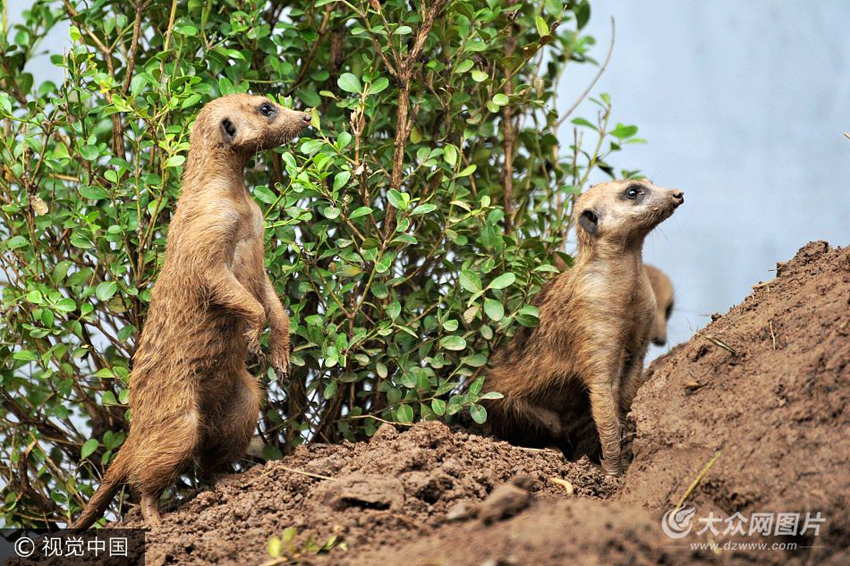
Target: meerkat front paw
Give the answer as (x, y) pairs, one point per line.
(280, 362)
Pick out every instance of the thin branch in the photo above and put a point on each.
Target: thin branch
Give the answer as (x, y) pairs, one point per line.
(595, 79)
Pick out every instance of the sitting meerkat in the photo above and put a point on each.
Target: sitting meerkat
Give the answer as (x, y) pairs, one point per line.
(191, 395)
(662, 288)
(594, 329)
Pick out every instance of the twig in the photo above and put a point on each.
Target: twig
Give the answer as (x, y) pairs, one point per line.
(403, 125)
(134, 44)
(167, 40)
(303, 473)
(310, 56)
(595, 79)
(376, 418)
(772, 334)
(720, 343)
(698, 479)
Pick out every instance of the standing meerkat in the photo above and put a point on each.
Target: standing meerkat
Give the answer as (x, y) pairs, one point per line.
(594, 328)
(662, 288)
(191, 395)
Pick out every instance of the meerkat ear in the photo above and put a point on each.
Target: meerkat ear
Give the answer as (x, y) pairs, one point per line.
(589, 221)
(228, 131)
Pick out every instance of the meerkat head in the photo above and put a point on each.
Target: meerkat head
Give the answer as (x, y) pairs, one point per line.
(246, 123)
(620, 213)
(662, 288)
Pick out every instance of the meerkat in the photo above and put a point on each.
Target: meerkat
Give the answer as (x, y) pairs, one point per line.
(595, 322)
(662, 288)
(191, 395)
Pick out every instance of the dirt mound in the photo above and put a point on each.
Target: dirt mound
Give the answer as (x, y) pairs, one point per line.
(766, 385)
(397, 487)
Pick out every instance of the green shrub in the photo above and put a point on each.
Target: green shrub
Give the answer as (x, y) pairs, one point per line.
(406, 231)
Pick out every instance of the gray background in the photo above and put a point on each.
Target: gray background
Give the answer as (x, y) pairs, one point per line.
(744, 106)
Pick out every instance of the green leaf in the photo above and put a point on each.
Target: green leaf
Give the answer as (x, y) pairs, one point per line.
(343, 139)
(467, 171)
(265, 194)
(398, 199)
(379, 85)
(464, 66)
(25, 355)
(438, 406)
(542, 26)
(500, 99)
(341, 179)
(16, 242)
(403, 30)
(475, 45)
(105, 290)
(470, 281)
(394, 309)
(623, 131)
(502, 281)
(491, 395)
(450, 154)
(494, 309)
(423, 209)
(454, 343)
(404, 414)
(175, 161)
(311, 146)
(479, 76)
(349, 83)
(93, 193)
(476, 361)
(358, 212)
(66, 305)
(186, 29)
(478, 413)
(88, 448)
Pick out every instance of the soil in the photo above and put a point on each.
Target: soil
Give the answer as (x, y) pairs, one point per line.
(766, 386)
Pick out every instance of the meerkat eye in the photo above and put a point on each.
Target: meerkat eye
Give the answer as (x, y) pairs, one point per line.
(266, 109)
(632, 193)
(669, 310)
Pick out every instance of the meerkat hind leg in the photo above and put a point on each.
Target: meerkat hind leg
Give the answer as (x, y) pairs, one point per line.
(150, 510)
(231, 432)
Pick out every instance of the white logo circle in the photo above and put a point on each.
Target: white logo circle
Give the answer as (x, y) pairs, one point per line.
(24, 547)
(676, 523)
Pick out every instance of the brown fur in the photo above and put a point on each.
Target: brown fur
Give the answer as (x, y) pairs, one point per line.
(191, 395)
(595, 322)
(662, 288)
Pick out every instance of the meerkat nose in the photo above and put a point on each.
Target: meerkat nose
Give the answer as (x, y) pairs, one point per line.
(679, 196)
(307, 117)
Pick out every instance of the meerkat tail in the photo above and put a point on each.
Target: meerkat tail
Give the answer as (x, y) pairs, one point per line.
(115, 476)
